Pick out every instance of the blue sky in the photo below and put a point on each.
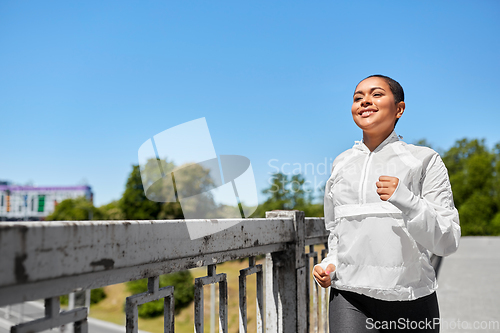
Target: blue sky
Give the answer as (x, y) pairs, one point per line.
(84, 83)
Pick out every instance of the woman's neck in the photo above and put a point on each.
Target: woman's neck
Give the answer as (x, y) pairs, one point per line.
(373, 140)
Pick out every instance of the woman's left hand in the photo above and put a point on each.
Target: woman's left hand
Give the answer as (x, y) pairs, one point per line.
(386, 186)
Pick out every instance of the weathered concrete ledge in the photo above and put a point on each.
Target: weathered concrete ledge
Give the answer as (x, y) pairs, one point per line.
(41, 259)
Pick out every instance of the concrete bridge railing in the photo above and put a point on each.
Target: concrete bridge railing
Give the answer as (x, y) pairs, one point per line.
(43, 260)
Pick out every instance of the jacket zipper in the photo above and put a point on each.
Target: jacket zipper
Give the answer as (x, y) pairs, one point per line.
(364, 175)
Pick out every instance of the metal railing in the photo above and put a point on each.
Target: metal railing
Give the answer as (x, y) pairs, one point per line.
(43, 260)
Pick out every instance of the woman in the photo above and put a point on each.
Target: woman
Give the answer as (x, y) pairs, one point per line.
(388, 207)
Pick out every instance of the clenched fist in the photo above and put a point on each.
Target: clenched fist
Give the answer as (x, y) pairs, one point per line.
(386, 186)
(323, 276)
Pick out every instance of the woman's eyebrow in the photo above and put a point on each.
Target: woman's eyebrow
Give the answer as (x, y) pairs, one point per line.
(372, 89)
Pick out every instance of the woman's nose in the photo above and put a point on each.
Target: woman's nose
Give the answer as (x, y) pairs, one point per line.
(366, 101)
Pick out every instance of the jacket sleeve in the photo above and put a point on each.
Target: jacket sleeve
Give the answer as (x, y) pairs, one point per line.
(330, 225)
(431, 219)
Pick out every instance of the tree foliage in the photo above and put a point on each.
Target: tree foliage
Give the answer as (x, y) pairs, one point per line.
(78, 209)
(134, 204)
(289, 192)
(474, 172)
(112, 211)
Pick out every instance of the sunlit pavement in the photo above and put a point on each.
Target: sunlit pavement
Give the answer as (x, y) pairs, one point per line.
(469, 289)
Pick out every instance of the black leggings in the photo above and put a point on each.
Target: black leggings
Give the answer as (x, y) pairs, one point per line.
(351, 312)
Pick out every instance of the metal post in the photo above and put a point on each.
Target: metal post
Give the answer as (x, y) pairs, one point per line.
(325, 299)
(286, 303)
(71, 306)
(260, 303)
(312, 254)
(71, 301)
(252, 269)
(211, 271)
(87, 300)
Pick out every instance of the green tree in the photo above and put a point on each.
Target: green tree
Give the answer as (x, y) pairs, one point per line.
(134, 204)
(474, 176)
(496, 178)
(78, 209)
(190, 180)
(286, 193)
(112, 211)
(424, 143)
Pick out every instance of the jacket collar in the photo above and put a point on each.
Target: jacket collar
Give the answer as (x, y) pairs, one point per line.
(393, 137)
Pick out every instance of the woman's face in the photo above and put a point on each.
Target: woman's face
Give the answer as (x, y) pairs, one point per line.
(373, 108)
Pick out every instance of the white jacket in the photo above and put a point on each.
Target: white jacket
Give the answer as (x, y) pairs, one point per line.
(382, 248)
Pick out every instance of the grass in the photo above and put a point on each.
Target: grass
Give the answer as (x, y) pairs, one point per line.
(112, 307)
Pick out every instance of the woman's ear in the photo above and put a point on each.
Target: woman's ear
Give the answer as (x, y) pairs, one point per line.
(401, 109)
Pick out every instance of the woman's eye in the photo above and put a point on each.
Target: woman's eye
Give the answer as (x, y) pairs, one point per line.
(357, 99)
(377, 94)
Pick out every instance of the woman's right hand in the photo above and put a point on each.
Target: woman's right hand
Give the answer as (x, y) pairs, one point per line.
(323, 276)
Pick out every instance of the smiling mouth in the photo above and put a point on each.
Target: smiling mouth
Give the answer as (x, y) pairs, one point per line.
(367, 113)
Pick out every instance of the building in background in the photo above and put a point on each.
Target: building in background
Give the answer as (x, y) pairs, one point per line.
(33, 203)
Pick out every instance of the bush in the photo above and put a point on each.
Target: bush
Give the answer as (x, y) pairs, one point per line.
(97, 295)
(183, 283)
(151, 309)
